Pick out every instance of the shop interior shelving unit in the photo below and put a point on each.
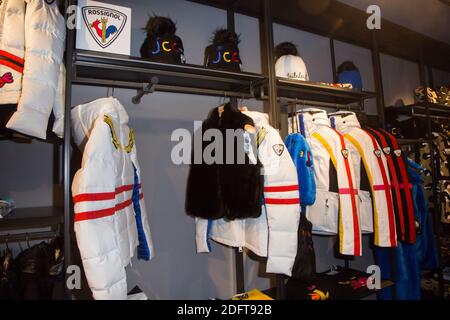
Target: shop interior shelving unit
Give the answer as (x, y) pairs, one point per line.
(90, 68)
(430, 111)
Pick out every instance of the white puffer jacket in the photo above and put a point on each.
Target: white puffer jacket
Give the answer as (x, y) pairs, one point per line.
(32, 36)
(110, 216)
(274, 233)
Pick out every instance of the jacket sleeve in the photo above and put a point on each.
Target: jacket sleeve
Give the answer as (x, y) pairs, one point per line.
(58, 106)
(93, 191)
(44, 49)
(281, 202)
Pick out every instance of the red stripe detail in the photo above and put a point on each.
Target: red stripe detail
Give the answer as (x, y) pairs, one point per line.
(101, 196)
(405, 179)
(94, 197)
(388, 195)
(11, 65)
(12, 57)
(395, 184)
(91, 215)
(405, 186)
(282, 201)
(356, 231)
(348, 191)
(381, 187)
(281, 188)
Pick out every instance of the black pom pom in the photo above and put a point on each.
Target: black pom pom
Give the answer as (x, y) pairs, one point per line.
(158, 26)
(285, 48)
(225, 36)
(346, 66)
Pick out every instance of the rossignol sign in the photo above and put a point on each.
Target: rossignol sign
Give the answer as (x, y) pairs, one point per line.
(104, 27)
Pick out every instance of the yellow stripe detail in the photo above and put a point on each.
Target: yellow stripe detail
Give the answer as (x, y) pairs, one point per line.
(333, 159)
(363, 157)
(114, 138)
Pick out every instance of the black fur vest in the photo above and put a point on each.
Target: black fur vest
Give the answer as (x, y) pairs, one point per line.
(230, 191)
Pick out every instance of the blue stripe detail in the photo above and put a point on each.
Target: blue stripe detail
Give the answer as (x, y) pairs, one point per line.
(208, 234)
(143, 248)
(333, 122)
(302, 125)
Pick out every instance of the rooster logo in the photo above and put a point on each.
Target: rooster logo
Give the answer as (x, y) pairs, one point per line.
(104, 24)
(6, 79)
(103, 32)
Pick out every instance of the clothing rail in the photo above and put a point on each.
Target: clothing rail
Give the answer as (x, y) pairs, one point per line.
(19, 237)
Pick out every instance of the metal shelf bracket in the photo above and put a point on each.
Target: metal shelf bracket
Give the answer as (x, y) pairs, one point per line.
(147, 88)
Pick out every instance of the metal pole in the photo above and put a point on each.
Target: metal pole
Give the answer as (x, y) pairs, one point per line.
(67, 152)
(232, 27)
(239, 257)
(333, 61)
(271, 107)
(378, 78)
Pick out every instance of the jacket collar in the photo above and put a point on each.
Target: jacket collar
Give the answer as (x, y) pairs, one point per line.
(312, 119)
(259, 118)
(85, 115)
(344, 120)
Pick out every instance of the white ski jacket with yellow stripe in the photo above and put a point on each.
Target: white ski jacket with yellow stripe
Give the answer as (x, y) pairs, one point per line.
(336, 209)
(274, 233)
(366, 151)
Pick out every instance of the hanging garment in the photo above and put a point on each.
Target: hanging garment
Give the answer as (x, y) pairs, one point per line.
(365, 149)
(425, 240)
(335, 210)
(32, 35)
(110, 215)
(406, 274)
(274, 233)
(401, 186)
(305, 261)
(222, 189)
(304, 162)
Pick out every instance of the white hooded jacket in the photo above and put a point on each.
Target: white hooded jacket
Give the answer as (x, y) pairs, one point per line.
(110, 216)
(274, 233)
(32, 36)
(364, 147)
(336, 209)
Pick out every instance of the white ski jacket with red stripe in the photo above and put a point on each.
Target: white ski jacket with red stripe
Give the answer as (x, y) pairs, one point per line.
(366, 151)
(274, 233)
(32, 36)
(110, 216)
(336, 209)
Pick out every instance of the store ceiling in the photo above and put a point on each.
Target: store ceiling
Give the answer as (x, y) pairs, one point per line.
(429, 17)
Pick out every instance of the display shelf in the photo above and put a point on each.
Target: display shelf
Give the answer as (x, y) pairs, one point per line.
(11, 135)
(318, 94)
(337, 286)
(113, 70)
(420, 109)
(32, 218)
(405, 142)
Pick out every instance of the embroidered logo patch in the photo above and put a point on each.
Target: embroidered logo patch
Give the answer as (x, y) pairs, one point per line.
(344, 153)
(278, 149)
(7, 78)
(398, 152)
(104, 24)
(387, 150)
(377, 153)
